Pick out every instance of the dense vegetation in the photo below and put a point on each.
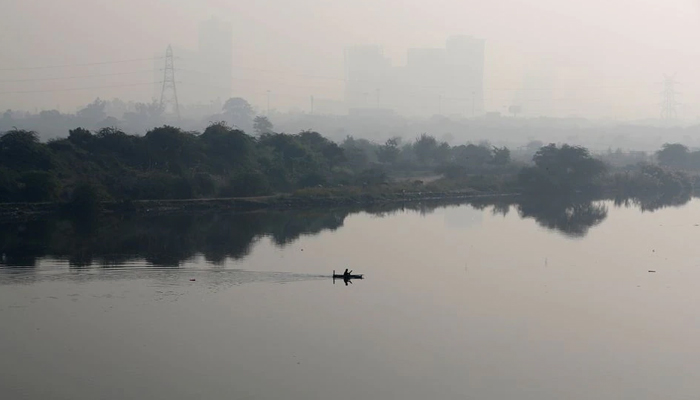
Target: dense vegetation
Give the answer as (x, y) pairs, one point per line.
(137, 118)
(169, 163)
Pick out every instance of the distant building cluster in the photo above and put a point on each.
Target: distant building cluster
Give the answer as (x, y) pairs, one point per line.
(447, 81)
(205, 74)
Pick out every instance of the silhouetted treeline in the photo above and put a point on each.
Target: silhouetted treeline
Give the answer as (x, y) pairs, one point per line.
(676, 155)
(169, 163)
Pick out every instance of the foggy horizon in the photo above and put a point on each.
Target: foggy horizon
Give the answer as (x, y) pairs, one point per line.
(448, 199)
(593, 60)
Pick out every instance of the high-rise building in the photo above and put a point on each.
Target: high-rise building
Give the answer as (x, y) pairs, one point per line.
(464, 72)
(366, 73)
(447, 81)
(216, 58)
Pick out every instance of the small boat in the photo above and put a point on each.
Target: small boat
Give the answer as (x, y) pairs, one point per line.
(341, 276)
(351, 276)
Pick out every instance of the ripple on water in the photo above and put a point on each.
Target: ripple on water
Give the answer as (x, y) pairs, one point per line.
(161, 278)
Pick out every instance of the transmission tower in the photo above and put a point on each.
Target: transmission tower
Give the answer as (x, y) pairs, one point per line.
(668, 99)
(168, 96)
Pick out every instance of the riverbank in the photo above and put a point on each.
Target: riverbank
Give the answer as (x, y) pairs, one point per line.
(651, 184)
(301, 200)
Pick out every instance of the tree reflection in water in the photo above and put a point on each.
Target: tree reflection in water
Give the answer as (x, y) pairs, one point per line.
(172, 240)
(163, 240)
(568, 216)
(651, 203)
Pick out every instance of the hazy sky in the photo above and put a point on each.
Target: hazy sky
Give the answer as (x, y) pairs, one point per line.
(608, 56)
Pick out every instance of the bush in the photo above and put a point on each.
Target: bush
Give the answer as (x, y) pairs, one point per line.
(245, 184)
(38, 186)
(312, 179)
(86, 199)
(452, 171)
(159, 186)
(343, 176)
(564, 169)
(651, 179)
(204, 185)
(371, 176)
(8, 185)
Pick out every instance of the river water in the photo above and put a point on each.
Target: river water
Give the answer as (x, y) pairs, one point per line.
(478, 301)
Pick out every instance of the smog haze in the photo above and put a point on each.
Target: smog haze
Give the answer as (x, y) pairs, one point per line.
(595, 59)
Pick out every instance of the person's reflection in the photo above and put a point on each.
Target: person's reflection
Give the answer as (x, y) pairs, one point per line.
(346, 279)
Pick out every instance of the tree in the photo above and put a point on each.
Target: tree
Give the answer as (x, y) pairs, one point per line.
(673, 155)
(115, 141)
(169, 146)
(262, 125)
(442, 153)
(389, 152)
(358, 152)
(694, 160)
(313, 140)
(333, 153)
(425, 148)
(371, 176)
(564, 169)
(80, 137)
(19, 136)
(85, 200)
(246, 183)
(20, 150)
(93, 113)
(472, 156)
(38, 186)
(239, 113)
(8, 184)
(227, 147)
(501, 156)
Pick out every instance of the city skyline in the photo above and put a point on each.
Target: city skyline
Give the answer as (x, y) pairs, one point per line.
(607, 64)
(445, 80)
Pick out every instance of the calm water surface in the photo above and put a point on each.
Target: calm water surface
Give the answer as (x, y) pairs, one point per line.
(477, 302)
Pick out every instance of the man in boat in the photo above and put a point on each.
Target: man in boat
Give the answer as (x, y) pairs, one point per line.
(347, 273)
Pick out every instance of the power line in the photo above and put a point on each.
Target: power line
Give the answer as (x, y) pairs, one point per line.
(80, 65)
(76, 77)
(81, 88)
